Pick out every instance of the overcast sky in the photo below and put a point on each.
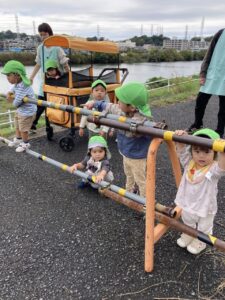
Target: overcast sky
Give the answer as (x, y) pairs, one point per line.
(115, 19)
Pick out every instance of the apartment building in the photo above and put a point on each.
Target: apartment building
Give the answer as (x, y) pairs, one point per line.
(180, 44)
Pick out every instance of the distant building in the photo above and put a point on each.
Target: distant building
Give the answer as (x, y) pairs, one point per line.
(1, 46)
(149, 46)
(128, 44)
(26, 44)
(179, 45)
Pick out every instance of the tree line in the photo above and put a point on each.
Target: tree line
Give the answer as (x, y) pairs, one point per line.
(153, 55)
(130, 56)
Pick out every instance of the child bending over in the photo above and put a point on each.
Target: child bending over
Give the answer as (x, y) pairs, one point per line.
(197, 193)
(96, 162)
(26, 112)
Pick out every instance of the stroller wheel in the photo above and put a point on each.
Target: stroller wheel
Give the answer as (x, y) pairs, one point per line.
(66, 143)
(49, 131)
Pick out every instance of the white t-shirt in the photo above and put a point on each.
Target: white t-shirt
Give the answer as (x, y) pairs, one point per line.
(198, 198)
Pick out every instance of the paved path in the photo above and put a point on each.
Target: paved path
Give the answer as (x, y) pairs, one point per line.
(58, 242)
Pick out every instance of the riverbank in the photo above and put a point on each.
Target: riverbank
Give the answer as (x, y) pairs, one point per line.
(131, 56)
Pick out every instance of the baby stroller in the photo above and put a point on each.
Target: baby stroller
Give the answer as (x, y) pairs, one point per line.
(74, 88)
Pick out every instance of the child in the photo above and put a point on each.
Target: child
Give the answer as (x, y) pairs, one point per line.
(26, 112)
(98, 94)
(52, 69)
(197, 193)
(133, 103)
(96, 162)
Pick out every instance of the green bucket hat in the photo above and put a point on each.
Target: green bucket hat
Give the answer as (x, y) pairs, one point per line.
(136, 94)
(14, 66)
(51, 63)
(99, 141)
(97, 82)
(207, 132)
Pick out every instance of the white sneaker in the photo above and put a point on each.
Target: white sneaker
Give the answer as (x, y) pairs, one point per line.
(22, 147)
(184, 240)
(14, 142)
(196, 246)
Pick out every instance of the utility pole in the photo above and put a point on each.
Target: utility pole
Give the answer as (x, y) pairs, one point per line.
(35, 39)
(202, 28)
(158, 29)
(141, 32)
(186, 32)
(151, 29)
(34, 28)
(98, 32)
(17, 26)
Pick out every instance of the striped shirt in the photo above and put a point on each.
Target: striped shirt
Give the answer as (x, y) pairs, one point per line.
(20, 91)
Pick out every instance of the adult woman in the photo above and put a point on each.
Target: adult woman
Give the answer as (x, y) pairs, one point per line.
(212, 80)
(55, 53)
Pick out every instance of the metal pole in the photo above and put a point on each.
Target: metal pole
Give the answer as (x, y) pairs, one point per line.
(10, 119)
(122, 122)
(86, 112)
(208, 239)
(216, 145)
(81, 174)
(147, 128)
(139, 200)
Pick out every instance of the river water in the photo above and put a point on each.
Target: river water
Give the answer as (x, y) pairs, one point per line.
(138, 71)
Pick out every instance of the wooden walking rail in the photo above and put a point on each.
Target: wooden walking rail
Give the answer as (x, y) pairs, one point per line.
(154, 233)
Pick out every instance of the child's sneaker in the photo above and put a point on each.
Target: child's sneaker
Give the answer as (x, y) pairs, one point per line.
(33, 129)
(135, 189)
(184, 240)
(14, 142)
(193, 128)
(83, 184)
(22, 147)
(196, 246)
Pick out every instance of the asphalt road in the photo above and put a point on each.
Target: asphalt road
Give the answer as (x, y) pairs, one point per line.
(59, 242)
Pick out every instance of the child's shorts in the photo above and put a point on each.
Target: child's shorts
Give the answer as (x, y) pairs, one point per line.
(24, 123)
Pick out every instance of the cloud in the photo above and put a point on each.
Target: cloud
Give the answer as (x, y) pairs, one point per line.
(115, 19)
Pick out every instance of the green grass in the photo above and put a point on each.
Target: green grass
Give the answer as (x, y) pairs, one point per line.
(180, 92)
(7, 131)
(4, 106)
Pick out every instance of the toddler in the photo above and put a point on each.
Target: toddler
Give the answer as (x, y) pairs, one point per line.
(197, 193)
(96, 162)
(99, 93)
(26, 112)
(52, 69)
